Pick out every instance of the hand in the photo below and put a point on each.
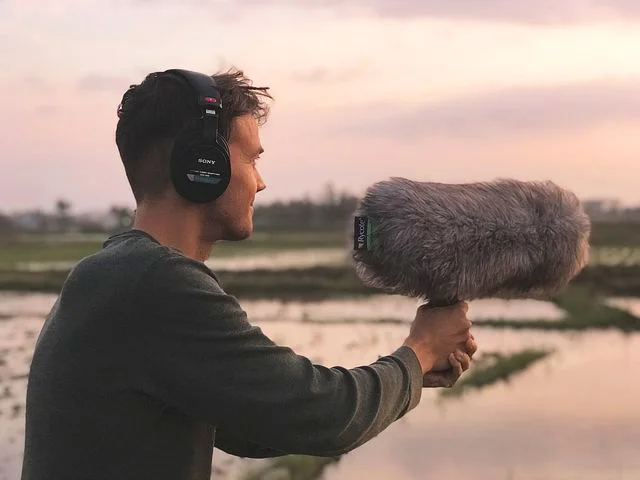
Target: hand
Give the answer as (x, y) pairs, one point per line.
(460, 362)
(436, 332)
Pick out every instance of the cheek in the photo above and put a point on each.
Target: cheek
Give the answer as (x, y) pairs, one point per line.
(245, 180)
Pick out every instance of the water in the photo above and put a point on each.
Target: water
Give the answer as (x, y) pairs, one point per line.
(614, 256)
(278, 260)
(573, 415)
(631, 305)
(305, 258)
(393, 307)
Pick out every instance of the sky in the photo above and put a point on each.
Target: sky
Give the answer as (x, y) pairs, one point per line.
(453, 91)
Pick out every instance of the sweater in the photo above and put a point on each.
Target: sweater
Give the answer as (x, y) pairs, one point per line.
(145, 364)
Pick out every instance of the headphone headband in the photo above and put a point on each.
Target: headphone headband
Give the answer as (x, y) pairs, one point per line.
(208, 97)
(204, 85)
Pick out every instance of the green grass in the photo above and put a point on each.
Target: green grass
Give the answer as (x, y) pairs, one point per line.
(618, 280)
(585, 310)
(263, 241)
(314, 283)
(608, 239)
(325, 282)
(48, 281)
(582, 301)
(12, 251)
(57, 248)
(293, 467)
(493, 367)
(615, 234)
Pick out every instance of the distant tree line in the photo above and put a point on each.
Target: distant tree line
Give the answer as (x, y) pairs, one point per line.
(329, 212)
(63, 220)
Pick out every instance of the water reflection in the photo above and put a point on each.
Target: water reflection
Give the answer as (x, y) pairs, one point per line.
(311, 257)
(632, 305)
(381, 307)
(280, 260)
(26, 303)
(276, 260)
(573, 415)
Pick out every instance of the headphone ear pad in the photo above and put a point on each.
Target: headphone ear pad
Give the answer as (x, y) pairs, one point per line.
(198, 182)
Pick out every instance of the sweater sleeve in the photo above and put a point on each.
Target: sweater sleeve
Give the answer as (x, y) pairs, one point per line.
(199, 353)
(233, 445)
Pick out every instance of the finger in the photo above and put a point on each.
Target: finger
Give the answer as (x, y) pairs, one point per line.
(464, 360)
(455, 365)
(471, 346)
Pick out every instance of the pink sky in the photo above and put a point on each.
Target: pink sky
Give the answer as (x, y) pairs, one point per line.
(431, 90)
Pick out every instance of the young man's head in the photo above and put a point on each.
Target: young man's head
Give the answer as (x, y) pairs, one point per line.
(152, 114)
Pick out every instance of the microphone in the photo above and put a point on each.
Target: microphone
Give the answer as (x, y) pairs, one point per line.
(446, 243)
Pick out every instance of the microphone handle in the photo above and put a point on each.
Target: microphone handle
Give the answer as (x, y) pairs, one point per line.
(435, 303)
(441, 302)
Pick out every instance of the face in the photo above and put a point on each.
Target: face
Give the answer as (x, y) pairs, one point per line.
(230, 217)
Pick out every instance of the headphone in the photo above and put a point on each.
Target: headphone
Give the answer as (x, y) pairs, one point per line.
(200, 160)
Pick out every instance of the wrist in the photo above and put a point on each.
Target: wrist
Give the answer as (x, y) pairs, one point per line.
(423, 352)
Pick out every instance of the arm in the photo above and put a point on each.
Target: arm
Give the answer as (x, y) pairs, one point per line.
(242, 448)
(199, 353)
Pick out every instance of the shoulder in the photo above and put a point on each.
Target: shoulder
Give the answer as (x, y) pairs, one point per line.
(182, 294)
(172, 268)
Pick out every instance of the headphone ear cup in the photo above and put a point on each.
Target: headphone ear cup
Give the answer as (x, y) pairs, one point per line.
(200, 172)
(223, 143)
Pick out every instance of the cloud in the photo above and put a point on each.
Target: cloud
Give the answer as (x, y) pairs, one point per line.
(519, 11)
(100, 82)
(37, 83)
(324, 75)
(531, 109)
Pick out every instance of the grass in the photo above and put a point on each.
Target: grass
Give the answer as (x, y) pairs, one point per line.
(584, 307)
(323, 281)
(583, 300)
(293, 467)
(46, 282)
(43, 250)
(615, 234)
(494, 367)
(61, 248)
(613, 242)
(585, 310)
(314, 283)
(618, 280)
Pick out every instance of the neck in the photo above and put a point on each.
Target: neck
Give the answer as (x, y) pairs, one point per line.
(177, 227)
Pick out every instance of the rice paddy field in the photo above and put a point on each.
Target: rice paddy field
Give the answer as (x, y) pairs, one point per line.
(551, 395)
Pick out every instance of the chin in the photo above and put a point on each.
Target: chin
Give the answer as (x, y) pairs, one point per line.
(239, 232)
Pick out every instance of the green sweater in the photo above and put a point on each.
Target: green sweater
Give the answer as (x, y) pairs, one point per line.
(145, 363)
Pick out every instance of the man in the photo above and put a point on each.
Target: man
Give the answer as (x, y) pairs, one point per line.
(145, 363)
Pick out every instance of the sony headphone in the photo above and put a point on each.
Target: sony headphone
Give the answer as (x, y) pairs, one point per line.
(200, 161)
